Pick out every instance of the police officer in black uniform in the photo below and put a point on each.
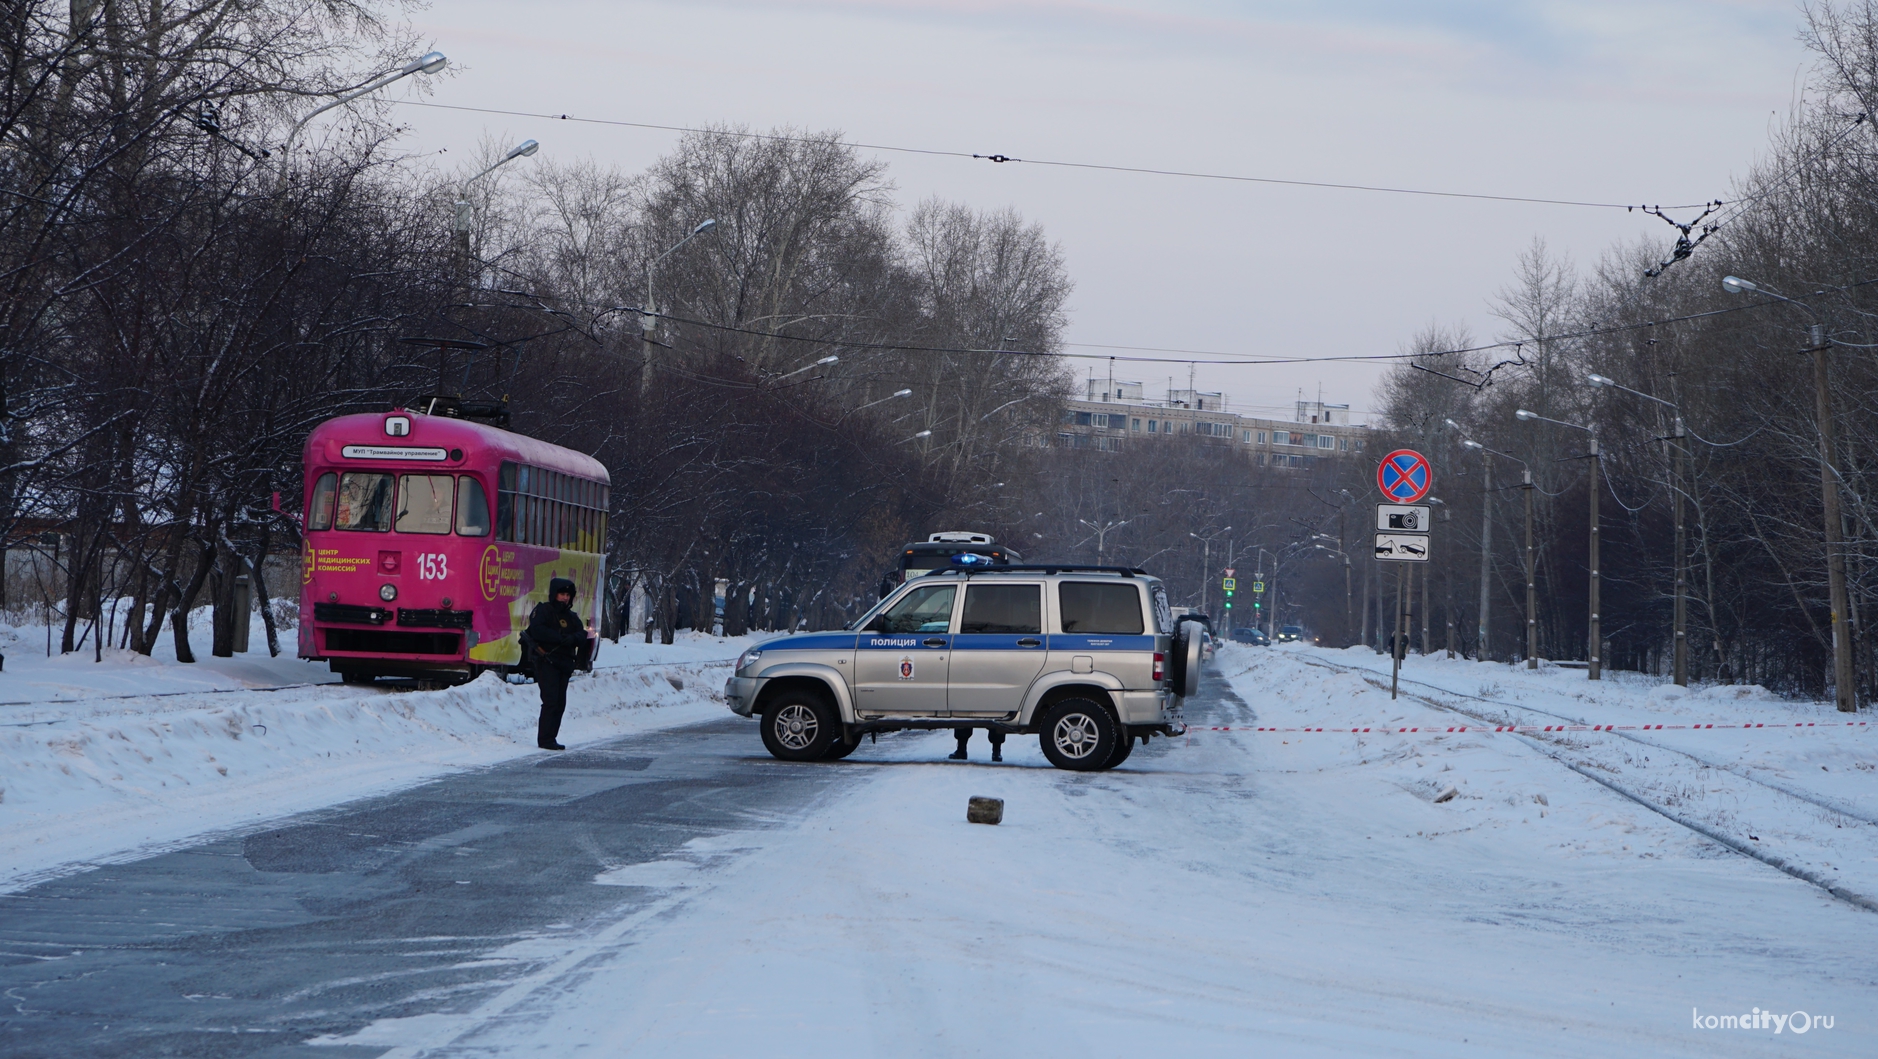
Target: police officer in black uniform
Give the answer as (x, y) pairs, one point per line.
(555, 636)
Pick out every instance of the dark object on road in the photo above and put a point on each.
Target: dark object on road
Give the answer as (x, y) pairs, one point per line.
(984, 810)
(965, 736)
(555, 633)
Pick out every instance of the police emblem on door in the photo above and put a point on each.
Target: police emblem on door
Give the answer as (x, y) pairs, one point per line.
(906, 667)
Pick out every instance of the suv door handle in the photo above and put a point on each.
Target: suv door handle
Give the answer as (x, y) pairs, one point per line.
(1030, 641)
(935, 641)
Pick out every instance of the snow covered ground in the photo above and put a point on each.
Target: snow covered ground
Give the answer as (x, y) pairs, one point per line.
(113, 760)
(1244, 892)
(1228, 893)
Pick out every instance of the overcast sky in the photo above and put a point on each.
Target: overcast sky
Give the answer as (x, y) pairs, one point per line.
(1646, 101)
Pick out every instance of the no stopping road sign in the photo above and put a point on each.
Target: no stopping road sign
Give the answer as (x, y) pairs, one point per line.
(1405, 476)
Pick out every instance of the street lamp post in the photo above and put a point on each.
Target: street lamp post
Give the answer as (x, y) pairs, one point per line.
(1483, 624)
(1102, 533)
(424, 64)
(465, 211)
(1347, 613)
(1594, 663)
(1681, 640)
(1844, 690)
(1434, 500)
(1528, 567)
(1206, 560)
(1270, 594)
(649, 318)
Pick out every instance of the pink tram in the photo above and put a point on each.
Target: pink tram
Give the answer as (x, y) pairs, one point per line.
(430, 539)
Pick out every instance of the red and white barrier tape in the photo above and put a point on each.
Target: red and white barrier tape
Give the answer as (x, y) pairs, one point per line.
(1524, 728)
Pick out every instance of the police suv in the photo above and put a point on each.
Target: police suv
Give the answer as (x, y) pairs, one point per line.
(1088, 658)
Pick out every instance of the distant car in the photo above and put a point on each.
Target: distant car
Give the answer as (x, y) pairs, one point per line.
(1290, 633)
(1254, 637)
(1206, 647)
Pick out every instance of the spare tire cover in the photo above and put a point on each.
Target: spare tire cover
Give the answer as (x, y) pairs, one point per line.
(1187, 651)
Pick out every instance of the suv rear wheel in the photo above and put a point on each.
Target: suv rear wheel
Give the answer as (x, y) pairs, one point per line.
(1079, 735)
(798, 726)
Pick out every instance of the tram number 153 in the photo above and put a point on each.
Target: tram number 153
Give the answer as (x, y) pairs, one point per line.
(430, 567)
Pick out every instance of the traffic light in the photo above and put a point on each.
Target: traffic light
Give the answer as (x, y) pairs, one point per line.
(1229, 599)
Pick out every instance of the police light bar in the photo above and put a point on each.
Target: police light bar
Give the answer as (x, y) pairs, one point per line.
(971, 559)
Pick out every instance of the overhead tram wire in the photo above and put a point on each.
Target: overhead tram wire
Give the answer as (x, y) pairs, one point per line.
(1242, 360)
(1055, 163)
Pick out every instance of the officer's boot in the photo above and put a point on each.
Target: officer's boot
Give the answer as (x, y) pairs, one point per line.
(997, 744)
(964, 736)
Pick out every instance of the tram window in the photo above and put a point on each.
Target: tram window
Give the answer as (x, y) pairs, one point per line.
(472, 508)
(424, 503)
(364, 502)
(319, 513)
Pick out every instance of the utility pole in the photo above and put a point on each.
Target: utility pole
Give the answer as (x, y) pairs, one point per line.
(1844, 689)
(1596, 664)
(1447, 580)
(1682, 562)
(1531, 570)
(1483, 627)
(1680, 646)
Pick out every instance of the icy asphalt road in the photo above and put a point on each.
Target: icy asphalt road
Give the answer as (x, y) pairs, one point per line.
(384, 908)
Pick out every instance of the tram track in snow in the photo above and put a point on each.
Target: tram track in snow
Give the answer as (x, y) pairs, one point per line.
(1707, 831)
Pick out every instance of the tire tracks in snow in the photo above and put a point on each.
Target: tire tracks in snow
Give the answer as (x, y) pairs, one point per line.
(1721, 838)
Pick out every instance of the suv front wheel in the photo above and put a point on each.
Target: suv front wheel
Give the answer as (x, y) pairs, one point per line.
(800, 727)
(1079, 734)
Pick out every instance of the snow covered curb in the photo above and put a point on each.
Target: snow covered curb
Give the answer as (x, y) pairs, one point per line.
(112, 779)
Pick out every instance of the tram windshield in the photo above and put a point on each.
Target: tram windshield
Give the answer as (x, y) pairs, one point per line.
(364, 502)
(424, 503)
(472, 508)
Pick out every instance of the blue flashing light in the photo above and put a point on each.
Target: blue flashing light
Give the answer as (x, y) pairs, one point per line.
(971, 559)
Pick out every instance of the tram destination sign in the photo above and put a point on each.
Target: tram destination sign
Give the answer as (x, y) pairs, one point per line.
(394, 452)
(1402, 547)
(1407, 518)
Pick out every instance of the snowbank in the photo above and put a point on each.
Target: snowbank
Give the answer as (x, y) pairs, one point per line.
(108, 761)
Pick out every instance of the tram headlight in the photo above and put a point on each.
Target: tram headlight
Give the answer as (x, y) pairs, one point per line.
(387, 592)
(748, 658)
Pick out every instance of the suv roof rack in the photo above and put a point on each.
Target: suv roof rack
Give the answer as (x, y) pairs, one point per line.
(1046, 568)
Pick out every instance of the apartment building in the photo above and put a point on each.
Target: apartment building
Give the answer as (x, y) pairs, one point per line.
(1112, 415)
